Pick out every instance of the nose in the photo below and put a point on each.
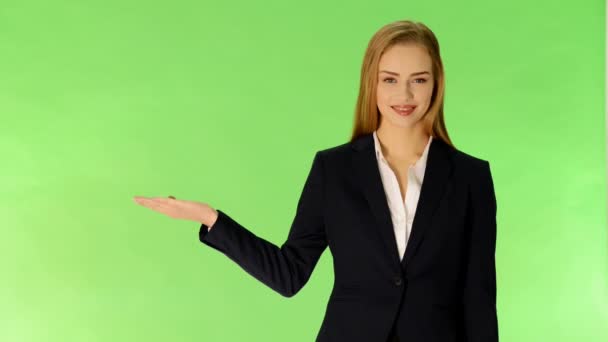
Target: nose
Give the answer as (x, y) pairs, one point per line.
(408, 91)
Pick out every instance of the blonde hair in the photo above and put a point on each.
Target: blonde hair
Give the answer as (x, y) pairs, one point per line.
(367, 116)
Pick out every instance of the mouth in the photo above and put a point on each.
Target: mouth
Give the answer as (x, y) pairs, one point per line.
(404, 110)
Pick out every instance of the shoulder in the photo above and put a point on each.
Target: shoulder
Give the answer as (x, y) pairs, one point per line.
(470, 169)
(467, 162)
(335, 154)
(336, 151)
(477, 175)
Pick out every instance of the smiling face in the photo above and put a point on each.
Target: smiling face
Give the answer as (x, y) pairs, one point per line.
(404, 79)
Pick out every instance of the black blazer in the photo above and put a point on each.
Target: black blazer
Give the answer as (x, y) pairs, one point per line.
(443, 290)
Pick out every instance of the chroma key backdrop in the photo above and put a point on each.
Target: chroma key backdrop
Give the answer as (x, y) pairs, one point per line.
(226, 103)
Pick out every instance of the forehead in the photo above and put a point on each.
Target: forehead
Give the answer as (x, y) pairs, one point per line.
(405, 59)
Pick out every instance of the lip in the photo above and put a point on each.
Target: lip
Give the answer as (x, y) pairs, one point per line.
(410, 109)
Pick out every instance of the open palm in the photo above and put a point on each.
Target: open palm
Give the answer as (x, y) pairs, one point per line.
(179, 209)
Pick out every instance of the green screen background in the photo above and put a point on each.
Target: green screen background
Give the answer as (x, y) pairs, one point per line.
(226, 103)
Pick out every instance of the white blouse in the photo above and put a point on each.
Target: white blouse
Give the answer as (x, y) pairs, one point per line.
(402, 213)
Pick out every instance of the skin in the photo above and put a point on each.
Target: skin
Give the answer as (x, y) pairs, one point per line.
(180, 209)
(402, 139)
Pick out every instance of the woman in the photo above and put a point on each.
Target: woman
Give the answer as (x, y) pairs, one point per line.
(396, 278)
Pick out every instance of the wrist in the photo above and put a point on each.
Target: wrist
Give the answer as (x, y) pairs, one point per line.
(210, 218)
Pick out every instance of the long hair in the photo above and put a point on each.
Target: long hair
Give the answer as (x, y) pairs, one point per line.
(367, 115)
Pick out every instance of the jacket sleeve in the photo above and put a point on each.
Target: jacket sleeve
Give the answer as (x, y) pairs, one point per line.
(480, 318)
(284, 269)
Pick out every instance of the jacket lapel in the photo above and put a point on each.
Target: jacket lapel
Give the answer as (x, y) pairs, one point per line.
(436, 175)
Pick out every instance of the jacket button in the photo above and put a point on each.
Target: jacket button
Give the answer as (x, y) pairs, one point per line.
(398, 281)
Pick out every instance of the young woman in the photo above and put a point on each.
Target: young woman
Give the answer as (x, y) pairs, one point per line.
(409, 219)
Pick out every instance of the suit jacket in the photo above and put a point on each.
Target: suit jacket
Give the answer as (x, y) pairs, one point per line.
(444, 288)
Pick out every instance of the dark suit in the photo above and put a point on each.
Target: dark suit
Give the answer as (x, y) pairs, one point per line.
(443, 290)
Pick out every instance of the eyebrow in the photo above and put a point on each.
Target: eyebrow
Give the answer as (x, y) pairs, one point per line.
(412, 74)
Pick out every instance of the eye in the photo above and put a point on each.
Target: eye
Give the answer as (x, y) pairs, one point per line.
(391, 78)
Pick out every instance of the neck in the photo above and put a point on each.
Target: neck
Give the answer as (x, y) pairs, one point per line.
(402, 144)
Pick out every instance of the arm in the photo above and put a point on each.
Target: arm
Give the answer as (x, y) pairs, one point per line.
(285, 269)
(480, 318)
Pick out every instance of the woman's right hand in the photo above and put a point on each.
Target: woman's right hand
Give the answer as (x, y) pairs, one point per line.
(180, 209)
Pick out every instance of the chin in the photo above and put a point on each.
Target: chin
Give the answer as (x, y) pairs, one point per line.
(407, 122)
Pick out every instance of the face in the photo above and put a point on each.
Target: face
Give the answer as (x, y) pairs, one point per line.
(405, 78)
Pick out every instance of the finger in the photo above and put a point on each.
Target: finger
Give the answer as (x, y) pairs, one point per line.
(159, 207)
(146, 202)
(140, 199)
(162, 200)
(162, 205)
(151, 202)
